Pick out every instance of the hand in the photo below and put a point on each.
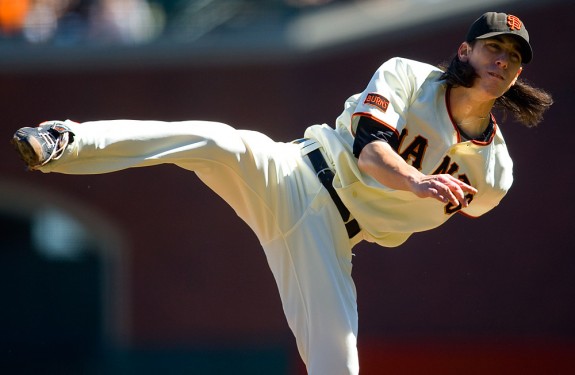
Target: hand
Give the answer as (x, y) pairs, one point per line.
(381, 162)
(443, 187)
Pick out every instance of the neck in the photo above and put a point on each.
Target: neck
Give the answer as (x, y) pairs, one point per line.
(471, 115)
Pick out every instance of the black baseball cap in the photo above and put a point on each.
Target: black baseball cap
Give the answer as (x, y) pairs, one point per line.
(491, 24)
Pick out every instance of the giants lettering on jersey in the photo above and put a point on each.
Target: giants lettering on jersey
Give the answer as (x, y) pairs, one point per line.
(415, 152)
(377, 101)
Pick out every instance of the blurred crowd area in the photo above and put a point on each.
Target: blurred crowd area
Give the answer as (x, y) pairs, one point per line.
(74, 22)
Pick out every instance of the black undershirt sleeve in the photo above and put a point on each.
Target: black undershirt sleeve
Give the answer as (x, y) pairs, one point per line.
(369, 130)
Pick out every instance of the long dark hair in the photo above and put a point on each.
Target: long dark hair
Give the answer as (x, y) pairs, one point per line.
(525, 102)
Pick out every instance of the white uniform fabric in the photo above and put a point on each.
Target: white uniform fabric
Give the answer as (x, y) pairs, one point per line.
(274, 189)
(417, 111)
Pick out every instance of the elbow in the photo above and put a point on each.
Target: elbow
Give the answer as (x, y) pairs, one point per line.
(363, 161)
(371, 156)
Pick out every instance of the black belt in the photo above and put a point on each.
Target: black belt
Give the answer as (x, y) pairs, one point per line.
(326, 175)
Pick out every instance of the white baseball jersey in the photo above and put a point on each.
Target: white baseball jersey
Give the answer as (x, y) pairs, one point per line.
(407, 97)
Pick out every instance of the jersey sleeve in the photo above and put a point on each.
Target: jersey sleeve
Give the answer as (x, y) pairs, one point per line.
(387, 97)
(368, 130)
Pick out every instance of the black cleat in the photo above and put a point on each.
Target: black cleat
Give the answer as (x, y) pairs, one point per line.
(40, 145)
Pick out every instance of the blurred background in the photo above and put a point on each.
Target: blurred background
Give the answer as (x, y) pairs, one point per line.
(146, 271)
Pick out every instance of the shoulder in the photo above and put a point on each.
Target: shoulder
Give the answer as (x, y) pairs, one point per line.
(407, 74)
(402, 64)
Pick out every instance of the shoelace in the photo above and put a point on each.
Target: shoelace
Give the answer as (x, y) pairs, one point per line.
(58, 145)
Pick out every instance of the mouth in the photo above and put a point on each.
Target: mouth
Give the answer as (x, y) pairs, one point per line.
(495, 75)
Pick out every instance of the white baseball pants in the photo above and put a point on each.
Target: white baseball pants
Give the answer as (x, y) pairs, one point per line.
(274, 189)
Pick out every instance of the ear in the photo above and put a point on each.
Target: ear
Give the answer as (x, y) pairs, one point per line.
(463, 51)
(517, 76)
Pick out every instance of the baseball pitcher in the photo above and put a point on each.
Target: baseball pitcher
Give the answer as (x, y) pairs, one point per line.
(417, 146)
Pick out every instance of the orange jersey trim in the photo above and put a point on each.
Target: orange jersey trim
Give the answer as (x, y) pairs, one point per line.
(467, 215)
(370, 116)
(456, 128)
(491, 136)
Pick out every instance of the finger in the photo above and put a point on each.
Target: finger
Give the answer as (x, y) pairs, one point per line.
(444, 194)
(459, 194)
(446, 188)
(449, 188)
(460, 189)
(462, 196)
(455, 197)
(463, 185)
(466, 187)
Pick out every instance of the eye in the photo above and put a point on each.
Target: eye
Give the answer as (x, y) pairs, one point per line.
(492, 46)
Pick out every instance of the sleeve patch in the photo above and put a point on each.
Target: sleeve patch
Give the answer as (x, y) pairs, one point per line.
(378, 101)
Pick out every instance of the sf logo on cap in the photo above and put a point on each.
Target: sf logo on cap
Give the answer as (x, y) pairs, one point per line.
(514, 22)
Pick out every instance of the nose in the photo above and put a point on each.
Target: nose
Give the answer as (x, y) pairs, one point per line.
(503, 60)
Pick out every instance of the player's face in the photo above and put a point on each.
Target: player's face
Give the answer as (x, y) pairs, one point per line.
(497, 62)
